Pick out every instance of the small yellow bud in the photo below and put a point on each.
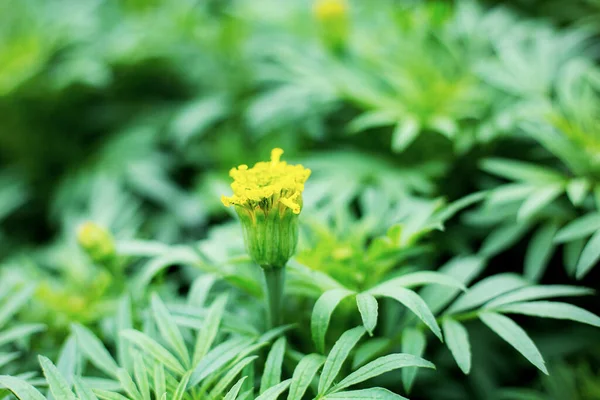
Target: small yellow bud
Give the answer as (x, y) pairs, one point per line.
(268, 199)
(329, 9)
(97, 242)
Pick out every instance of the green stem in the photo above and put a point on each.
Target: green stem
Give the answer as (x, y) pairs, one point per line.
(275, 280)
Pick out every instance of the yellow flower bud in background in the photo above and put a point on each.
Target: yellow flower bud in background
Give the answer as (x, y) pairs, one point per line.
(332, 17)
(96, 241)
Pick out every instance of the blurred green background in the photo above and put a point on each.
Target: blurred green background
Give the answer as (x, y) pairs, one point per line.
(131, 112)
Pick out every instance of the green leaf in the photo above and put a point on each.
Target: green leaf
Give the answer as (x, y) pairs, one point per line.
(94, 350)
(463, 269)
(182, 386)
(423, 278)
(502, 238)
(381, 366)
(106, 395)
(589, 256)
(155, 350)
(367, 306)
(305, 372)
(514, 335)
(210, 326)
(272, 373)
(367, 351)
(321, 314)
(200, 289)
(414, 303)
(539, 292)
(128, 385)
(579, 228)
(123, 321)
(217, 358)
(233, 392)
(19, 332)
(168, 329)
(371, 119)
(141, 375)
(160, 382)
(275, 391)
(405, 133)
(571, 252)
(577, 189)
(338, 355)
(552, 309)
(538, 200)
(58, 385)
(235, 370)
(485, 290)
(457, 340)
(15, 302)
(365, 394)
(540, 251)
(520, 171)
(82, 390)
(20, 388)
(413, 342)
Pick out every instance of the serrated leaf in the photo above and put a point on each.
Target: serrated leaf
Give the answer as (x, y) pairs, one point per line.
(405, 132)
(413, 302)
(502, 238)
(413, 342)
(182, 386)
(82, 390)
(208, 332)
(321, 315)
(233, 392)
(577, 189)
(160, 382)
(539, 292)
(463, 269)
(58, 385)
(520, 171)
(19, 331)
(304, 373)
(367, 306)
(272, 373)
(94, 350)
(514, 335)
(589, 256)
(380, 366)
(551, 309)
(422, 278)
(275, 391)
(486, 290)
(217, 358)
(168, 329)
(234, 371)
(540, 251)
(128, 385)
(154, 349)
(20, 388)
(365, 394)
(457, 340)
(141, 375)
(579, 228)
(337, 356)
(538, 200)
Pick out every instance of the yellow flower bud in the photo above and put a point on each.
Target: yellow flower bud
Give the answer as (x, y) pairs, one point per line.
(268, 199)
(97, 242)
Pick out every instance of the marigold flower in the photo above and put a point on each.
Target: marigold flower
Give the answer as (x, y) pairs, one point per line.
(268, 199)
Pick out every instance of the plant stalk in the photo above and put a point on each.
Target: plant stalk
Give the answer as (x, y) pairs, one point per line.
(275, 281)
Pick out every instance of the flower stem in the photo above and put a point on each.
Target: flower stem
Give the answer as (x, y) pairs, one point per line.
(275, 280)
